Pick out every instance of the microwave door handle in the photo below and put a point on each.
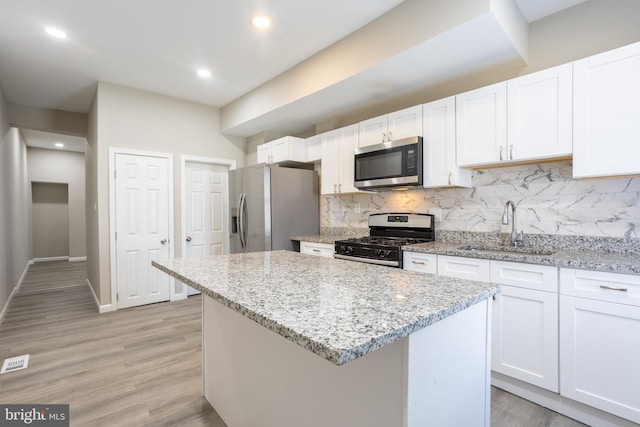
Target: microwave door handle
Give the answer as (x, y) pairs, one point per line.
(241, 220)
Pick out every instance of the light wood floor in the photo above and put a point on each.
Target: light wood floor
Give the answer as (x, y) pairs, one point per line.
(136, 367)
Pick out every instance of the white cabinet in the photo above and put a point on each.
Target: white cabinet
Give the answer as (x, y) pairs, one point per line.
(439, 146)
(464, 268)
(540, 115)
(525, 119)
(525, 323)
(338, 147)
(393, 126)
(600, 340)
(423, 263)
(481, 125)
(318, 249)
(284, 149)
(313, 148)
(606, 110)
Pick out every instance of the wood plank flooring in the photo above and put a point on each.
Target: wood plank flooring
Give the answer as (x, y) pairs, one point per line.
(136, 367)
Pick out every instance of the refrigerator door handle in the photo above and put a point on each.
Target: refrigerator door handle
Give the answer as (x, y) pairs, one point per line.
(240, 220)
(245, 219)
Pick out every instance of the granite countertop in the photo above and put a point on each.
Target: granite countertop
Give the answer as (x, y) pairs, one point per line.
(581, 259)
(324, 238)
(339, 310)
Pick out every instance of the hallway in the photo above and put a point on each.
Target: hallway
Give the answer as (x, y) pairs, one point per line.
(140, 366)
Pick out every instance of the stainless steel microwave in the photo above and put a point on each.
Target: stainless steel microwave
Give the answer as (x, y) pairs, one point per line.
(389, 165)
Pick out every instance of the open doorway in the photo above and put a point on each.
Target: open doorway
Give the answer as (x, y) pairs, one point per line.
(50, 221)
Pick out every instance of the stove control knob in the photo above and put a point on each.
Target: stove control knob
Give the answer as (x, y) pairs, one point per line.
(342, 249)
(379, 252)
(387, 254)
(347, 249)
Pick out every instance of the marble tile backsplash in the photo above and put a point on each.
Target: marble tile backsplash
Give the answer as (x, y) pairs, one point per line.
(548, 200)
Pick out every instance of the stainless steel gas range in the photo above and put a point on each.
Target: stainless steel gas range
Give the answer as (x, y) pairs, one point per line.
(388, 232)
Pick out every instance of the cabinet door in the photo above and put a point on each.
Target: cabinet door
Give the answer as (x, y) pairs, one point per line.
(439, 127)
(280, 150)
(606, 129)
(330, 176)
(464, 268)
(525, 336)
(313, 147)
(372, 131)
(264, 153)
(404, 123)
(599, 355)
(481, 125)
(540, 114)
(348, 145)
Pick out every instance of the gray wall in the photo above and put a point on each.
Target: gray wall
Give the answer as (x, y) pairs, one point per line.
(67, 167)
(15, 230)
(123, 117)
(50, 219)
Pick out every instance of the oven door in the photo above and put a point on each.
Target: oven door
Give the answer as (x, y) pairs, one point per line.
(391, 164)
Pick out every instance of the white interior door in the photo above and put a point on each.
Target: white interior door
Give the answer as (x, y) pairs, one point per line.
(206, 210)
(142, 228)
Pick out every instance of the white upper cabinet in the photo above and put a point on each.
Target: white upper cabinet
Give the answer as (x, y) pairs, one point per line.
(393, 126)
(539, 114)
(284, 149)
(607, 114)
(338, 147)
(481, 125)
(524, 119)
(313, 147)
(439, 128)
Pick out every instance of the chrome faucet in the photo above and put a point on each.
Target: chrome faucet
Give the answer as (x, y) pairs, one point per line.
(517, 239)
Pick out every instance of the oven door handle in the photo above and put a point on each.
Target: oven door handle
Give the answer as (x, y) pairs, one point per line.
(368, 260)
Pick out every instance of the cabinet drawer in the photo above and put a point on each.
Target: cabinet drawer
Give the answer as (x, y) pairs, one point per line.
(528, 276)
(319, 249)
(423, 263)
(464, 268)
(602, 286)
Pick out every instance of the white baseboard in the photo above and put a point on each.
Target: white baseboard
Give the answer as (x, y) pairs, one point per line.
(104, 308)
(51, 258)
(77, 258)
(14, 291)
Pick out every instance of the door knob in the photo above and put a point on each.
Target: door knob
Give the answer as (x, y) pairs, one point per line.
(163, 241)
(188, 238)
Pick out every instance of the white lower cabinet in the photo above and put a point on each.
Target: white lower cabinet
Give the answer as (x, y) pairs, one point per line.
(600, 341)
(423, 263)
(464, 268)
(318, 249)
(525, 323)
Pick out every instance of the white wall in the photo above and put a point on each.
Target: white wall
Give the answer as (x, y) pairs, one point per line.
(134, 119)
(50, 220)
(68, 167)
(15, 237)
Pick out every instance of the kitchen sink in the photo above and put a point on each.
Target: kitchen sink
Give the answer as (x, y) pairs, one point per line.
(503, 249)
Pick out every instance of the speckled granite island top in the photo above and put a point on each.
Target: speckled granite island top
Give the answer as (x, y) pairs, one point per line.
(339, 310)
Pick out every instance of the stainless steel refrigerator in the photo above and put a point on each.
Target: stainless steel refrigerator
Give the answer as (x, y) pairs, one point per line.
(269, 204)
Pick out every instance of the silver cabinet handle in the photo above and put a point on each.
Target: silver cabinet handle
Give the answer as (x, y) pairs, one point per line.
(335, 188)
(418, 262)
(316, 250)
(339, 188)
(384, 137)
(511, 152)
(501, 148)
(450, 173)
(188, 238)
(163, 241)
(389, 136)
(613, 289)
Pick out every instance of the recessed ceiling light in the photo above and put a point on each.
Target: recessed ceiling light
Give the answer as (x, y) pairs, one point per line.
(59, 144)
(204, 73)
(57, 33)
(261, 22)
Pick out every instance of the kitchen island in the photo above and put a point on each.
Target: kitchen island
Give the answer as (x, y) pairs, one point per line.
(291, 339)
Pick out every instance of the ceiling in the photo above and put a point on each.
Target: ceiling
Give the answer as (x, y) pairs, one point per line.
(158, 46)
